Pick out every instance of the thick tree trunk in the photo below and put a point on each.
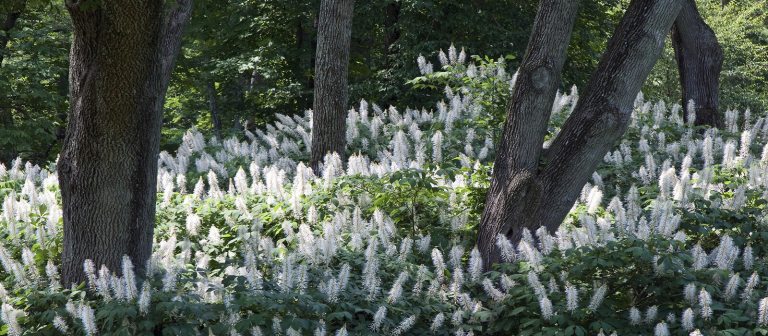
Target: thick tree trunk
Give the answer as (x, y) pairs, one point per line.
(120, 65)
(9, 23)
(531, 189)
(334, 33)
(514, 174)
(699, 62)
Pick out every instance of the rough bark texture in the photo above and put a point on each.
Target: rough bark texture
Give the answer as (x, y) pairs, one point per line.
(120, 64)
(8, 23)
(514, 181)
(531, 189)
(699, 62)
(334, 33)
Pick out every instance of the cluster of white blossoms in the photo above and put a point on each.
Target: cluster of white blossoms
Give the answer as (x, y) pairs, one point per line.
(263, 179)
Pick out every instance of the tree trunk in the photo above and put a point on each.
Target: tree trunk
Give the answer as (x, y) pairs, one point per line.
(531, 189)
(120, 64)
(299, 60)
(699, 62)
(215, 117)
(6, 112)
(391, 29)
(527, 116)
(334, 33)
(7, 153)
(10, 21)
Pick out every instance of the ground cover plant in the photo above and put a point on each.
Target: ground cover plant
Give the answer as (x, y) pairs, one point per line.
(668, 238)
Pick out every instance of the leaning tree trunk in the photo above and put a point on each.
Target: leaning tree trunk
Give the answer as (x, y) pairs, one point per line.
(532, 189)
(120, 64)
(699, 62)
(334, 34)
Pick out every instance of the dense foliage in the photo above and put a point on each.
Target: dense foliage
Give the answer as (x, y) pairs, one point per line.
(668, 238)
(33, 83)
(246, 68)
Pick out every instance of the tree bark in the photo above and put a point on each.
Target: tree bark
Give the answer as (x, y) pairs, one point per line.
(699, 62)
(8, 24)
(121, 60)
(531, 189)
(514, 174)
(334, 33)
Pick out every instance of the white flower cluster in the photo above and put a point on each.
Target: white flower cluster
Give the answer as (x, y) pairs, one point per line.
(263, 180)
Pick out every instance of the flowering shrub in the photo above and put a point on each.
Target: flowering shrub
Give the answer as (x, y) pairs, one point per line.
(667, 238)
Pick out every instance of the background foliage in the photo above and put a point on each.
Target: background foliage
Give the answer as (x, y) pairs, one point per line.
(248, 66)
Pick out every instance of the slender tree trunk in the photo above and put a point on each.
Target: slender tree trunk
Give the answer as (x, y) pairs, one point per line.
(121, 60)
(514, 175)
(6, 112)
(8, 24)
(305, 57)
(215, 117)
(299, 36)
(6, 117)
(7, 153)
(391, 29)
(699, 62)
(531, 189)
(301, 61)
(334, 33)
(391, 48)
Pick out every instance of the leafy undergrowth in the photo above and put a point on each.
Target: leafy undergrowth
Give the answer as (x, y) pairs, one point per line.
(668, 238)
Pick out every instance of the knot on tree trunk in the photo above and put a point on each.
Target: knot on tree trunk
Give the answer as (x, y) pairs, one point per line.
(541, 77)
